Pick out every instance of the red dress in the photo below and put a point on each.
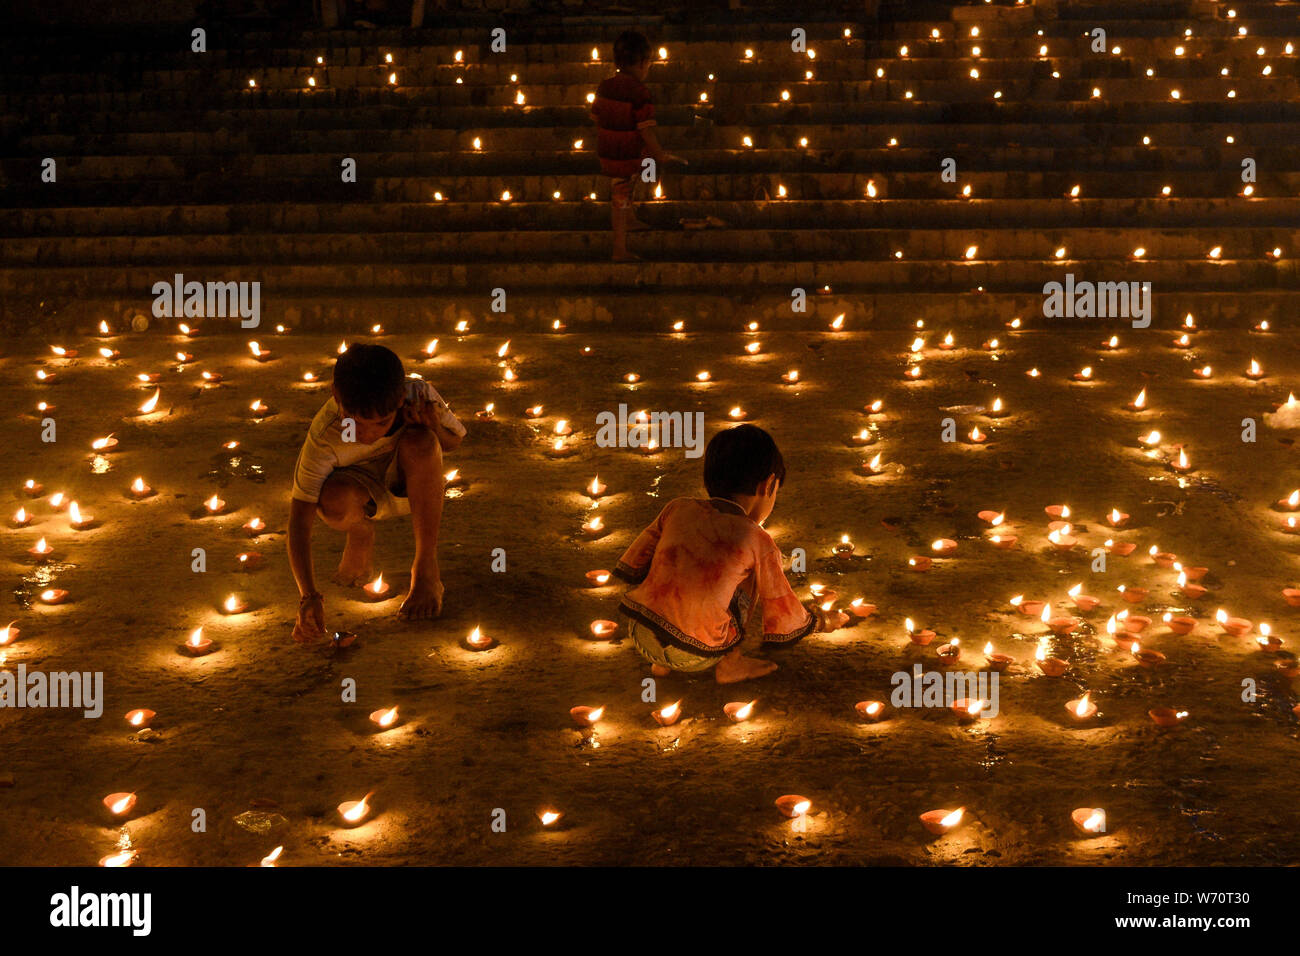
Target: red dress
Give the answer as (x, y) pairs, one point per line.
(622, 109)
(699, 568)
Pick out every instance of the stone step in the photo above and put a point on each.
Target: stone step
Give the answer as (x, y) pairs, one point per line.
(1172, 56)
(1245, 253)
(876, 124)
(595, 276)
(1018, 85)
(1093, 133)
(1117, 171)
(625, 306)
(783, 189)
(285, 218)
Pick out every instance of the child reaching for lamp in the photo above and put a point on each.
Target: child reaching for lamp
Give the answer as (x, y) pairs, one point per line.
(704, 563)
(373, 451)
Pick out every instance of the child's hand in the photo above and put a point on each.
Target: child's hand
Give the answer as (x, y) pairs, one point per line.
(420, 411)
(310, 626)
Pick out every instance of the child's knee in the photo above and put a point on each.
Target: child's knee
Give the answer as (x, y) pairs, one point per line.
(341, 502)
(418, 443)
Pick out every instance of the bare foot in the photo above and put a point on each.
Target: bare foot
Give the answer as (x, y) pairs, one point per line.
(734, 668)
(355, 568)
(424, 600)
(659, 670)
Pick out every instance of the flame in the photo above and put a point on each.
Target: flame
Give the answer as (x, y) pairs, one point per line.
(387, 718)
(6, 633)
(1047, 613)
(1254, 367)
(596, 714)
(232, 604)
(122, 858)
(20, 516)
(501, 352)
(800, 808)
(1141, 400)
(874, 708)
(138, 486)
(476, 637)
(1095, 821)
(997, 405)
(377, 585)
(742, 713)
(270, 858)
(358, 810)
(196, 637)
(121, 806)
(1081, 707)
(255, 349)
(910, 625)
(671, 710)
(1040, 654)
(976, 434)
(41, 546)
(213, 503)
(952, 819)
(548, 817)
(1076, 590)
(1182, 458)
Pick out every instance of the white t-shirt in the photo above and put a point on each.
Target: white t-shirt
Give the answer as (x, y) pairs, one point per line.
(324, 448)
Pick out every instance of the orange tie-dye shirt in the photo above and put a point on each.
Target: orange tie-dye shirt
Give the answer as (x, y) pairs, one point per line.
(698, 569)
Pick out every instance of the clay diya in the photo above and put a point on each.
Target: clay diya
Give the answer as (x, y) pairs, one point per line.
(1236, 626)
(922, 637)
(920, 563)
(1082, 709)
(586, 716)
(1147, 658)
(1133, 595)
(1090, 821)
(354, 812)
(140, 717)
(860, 608)
(1167, 716)
(196, 645)
(602, 629)
(119, 804)
(943, 547)
(793, 805)
(1083, 602)
(598, 578)
(738, 712)
(940, 822)
(667, 716)
(996, 662)
(476, 640)
(871, 711)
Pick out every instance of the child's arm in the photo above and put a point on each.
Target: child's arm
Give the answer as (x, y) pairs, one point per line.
(785, 619)
(427, 408)
(311, 608)
(635, 563)
(654, 149)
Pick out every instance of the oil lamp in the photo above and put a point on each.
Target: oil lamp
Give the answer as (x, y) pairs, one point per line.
(940, 822)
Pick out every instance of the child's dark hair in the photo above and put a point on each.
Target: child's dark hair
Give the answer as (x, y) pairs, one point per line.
(739, 459)
(631, 49)
(370, 381)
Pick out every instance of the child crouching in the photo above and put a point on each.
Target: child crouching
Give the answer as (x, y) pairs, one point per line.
(704, 563)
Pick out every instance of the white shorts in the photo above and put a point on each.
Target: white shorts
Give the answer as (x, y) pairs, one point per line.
(382, 480)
